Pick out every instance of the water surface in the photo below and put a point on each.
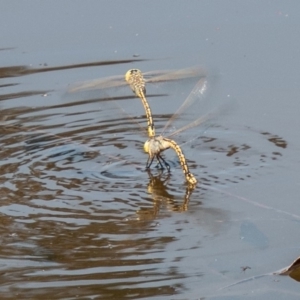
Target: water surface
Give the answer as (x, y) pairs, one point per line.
(81, 218)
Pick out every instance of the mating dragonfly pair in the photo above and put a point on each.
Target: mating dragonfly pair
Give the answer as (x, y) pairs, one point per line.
(156, 144)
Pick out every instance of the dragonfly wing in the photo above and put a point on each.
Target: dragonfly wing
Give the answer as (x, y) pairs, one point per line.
(196, 94)
(173, 75)
(101, 83)
(195, 123)
(150, 77)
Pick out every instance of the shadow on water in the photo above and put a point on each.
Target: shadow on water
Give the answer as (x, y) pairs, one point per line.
(17, 71)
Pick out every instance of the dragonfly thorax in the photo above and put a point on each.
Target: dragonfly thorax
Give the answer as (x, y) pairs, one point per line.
(155, 145)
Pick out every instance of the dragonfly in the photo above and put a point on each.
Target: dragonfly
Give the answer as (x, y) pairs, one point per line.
(137, 81)
(155, 145)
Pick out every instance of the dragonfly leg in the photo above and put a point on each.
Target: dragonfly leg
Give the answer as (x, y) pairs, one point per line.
(160, 158)
(149, 162)
(159, 164)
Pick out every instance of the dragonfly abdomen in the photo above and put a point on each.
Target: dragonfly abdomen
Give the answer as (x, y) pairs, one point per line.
(188, 175)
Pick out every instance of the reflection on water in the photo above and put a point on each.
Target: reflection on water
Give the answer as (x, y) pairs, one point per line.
(81, 216)
(157, 187)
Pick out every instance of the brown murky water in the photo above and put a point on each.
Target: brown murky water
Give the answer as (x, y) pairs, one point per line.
(80, 216)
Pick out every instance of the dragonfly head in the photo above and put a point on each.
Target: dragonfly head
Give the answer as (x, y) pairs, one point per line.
(147, 146)
(152, 146)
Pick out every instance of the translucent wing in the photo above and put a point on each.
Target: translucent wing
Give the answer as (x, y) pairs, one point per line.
(173, 75)
(150, 77)
(100, 83)
(197, 122)
(196, 94)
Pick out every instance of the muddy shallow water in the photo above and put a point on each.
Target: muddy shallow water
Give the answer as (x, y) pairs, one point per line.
(80, 216)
